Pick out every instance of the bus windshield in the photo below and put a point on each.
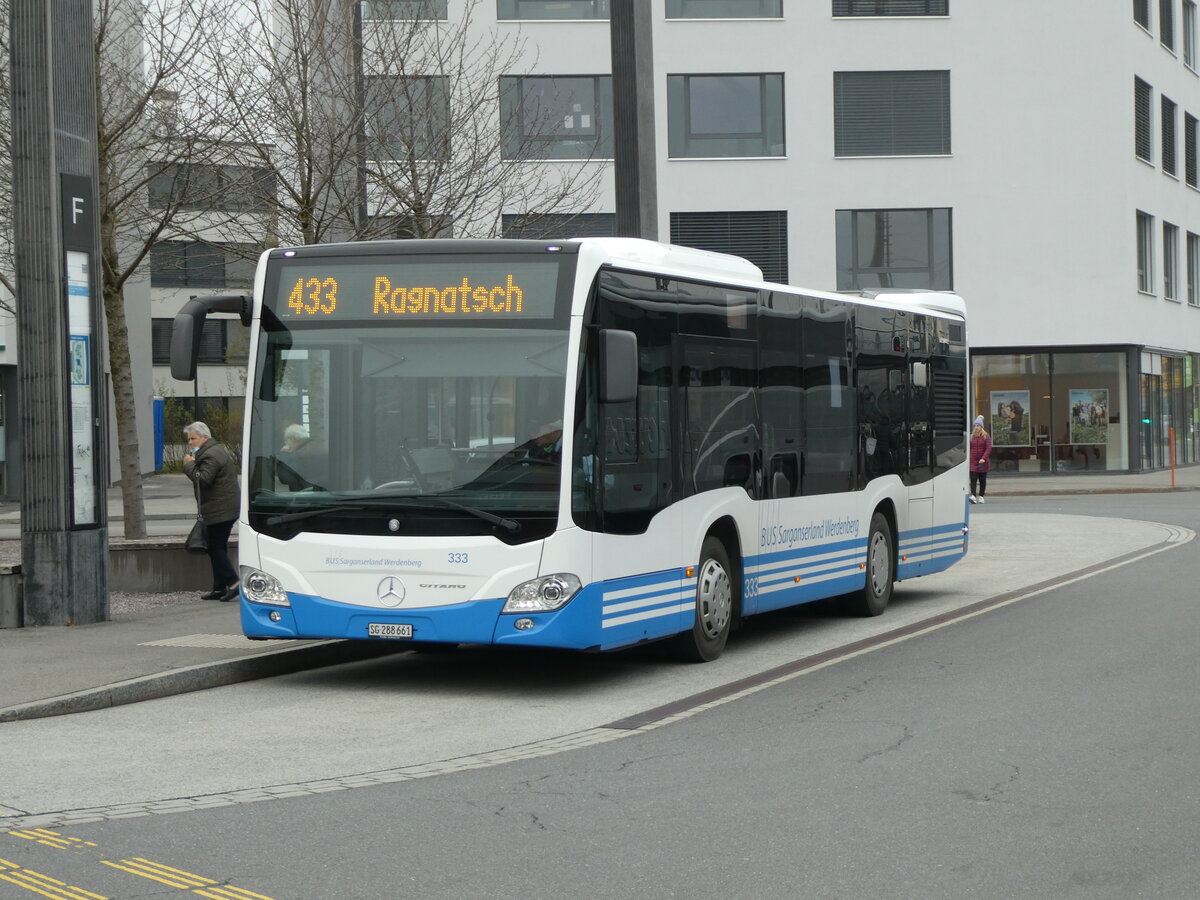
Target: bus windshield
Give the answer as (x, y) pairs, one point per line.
(429, 430)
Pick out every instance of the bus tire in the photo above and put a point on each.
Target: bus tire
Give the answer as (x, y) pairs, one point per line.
(881, 570)
(713, 615)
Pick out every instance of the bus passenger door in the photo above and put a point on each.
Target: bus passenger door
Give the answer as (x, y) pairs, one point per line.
(915, 542)
(721, 446)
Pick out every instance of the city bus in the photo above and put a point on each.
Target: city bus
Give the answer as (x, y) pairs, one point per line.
(588, 444)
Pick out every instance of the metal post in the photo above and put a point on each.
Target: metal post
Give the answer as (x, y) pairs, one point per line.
(634, 155)
(64, 520)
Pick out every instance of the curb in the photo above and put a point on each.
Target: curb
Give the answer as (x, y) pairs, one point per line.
(280, 661)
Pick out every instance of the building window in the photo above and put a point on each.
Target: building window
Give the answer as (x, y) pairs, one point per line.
(1166, 23)
(1142, 144)
(558, 225)
(1145, 253)
(209, 187)
(200, 264)
(557, 116)
(760, 237)
(1193, 269)
(552, 9)
(724, 9)
(405, 227)
(384, 10)
(407, 117)
(218, 346)
(1189, 33)
(1141, 13)
(1170, 262)
(891, 113)
(842, 8)
(894, 248)
(1168, 135)
(711, 116)
(1189, 149)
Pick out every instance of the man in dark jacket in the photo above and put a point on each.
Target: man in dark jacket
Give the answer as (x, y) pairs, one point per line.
(213, 472)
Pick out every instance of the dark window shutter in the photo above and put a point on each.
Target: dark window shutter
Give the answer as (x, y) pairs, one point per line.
(160, 341)
(1168, 136)
(539, 226)
(891, 113)
(1141, 119)
(1141, 13)
(1166, 23)
(760, 237)
(891, 7)
(1189, 149)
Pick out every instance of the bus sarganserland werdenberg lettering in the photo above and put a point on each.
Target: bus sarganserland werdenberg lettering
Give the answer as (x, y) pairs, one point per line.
(586, 444)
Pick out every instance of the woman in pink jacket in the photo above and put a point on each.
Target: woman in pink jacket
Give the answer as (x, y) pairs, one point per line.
(981, 457)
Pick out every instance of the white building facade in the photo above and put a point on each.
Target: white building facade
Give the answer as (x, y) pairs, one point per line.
(1040, 159)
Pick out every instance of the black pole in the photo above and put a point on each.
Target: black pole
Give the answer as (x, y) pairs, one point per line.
(63, 404)
(634, 155)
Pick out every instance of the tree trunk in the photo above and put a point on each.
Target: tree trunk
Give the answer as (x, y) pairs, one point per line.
(126, 406)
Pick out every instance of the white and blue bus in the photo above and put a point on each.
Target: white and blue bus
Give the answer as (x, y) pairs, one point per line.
(584, 444)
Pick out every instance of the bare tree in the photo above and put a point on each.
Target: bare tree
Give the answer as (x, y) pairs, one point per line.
(151, 124)
(390, 127)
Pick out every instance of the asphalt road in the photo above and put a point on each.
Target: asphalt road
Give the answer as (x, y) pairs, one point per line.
(1044, 748)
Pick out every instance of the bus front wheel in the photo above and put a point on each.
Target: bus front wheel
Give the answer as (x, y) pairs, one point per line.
(881, 561)
(714, 606)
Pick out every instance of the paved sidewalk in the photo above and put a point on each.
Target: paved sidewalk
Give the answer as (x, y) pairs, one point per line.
(196, 644)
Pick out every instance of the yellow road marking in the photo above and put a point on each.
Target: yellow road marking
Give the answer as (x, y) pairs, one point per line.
(50, 838)
(167, 870)
(134, 871)
(237, 893)
(44, 885)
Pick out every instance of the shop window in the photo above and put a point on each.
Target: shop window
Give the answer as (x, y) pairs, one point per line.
(721, 116)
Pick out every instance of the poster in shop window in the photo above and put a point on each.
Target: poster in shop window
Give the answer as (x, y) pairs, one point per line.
(1009, 414)
(1089, 415)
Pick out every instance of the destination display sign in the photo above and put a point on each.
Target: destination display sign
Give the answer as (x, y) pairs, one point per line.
(376, 288)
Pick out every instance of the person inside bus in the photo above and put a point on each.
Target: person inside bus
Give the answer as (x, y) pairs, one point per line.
(300, 464)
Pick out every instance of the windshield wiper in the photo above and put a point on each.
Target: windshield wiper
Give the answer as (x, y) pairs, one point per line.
(313, 513)
(509, 525)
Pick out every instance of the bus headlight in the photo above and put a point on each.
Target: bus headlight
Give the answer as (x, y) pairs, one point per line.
(259, 587)
(545, 594)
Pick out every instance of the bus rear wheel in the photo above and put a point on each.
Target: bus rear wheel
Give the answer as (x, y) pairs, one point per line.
(881, 560)
(714, 606)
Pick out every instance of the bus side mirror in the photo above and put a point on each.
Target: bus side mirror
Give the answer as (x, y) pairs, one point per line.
(188, 328)
(618, 366)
